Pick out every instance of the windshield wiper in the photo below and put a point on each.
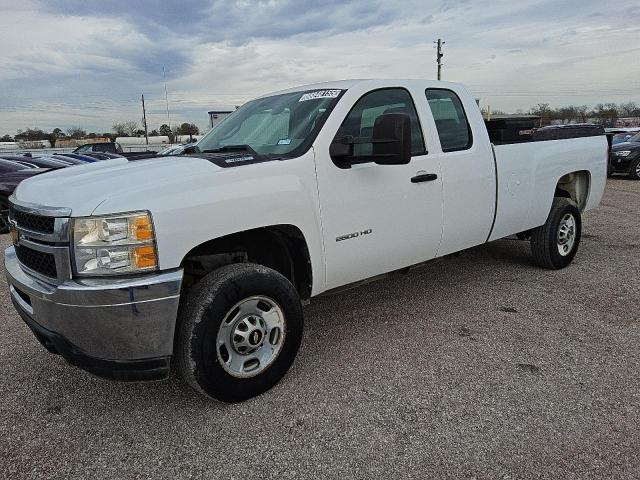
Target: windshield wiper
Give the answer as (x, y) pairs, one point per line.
(232, 148)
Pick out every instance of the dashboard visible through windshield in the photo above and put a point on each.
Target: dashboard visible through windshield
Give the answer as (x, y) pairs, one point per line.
(280, 125)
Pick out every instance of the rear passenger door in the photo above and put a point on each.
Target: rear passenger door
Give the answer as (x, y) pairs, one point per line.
(468, 169)
(375, 219)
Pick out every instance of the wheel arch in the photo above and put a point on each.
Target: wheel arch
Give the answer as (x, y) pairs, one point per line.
(282, 247)
(576, 186)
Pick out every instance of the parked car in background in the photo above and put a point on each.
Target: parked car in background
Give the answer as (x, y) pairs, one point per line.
(85, 158)
(7, 165)
(42, 161)
(620, 135)
(9, 180)
(110, 148)
(16, 168)
(625, 157)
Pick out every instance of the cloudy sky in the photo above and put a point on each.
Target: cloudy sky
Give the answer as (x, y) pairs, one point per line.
(82, 62)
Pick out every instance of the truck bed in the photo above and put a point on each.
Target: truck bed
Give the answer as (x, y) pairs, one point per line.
(527, 173)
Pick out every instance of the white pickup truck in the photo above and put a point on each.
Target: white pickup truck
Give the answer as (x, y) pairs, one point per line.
(205, 259)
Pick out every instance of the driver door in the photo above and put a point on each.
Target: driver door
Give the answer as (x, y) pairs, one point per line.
(378, 218)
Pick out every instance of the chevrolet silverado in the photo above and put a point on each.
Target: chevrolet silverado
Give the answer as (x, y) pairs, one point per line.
(204, 260)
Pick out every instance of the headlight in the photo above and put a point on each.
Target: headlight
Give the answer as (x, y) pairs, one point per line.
(114, 244)
(622, 153)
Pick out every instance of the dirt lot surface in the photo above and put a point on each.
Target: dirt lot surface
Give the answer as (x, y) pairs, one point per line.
(477, 366)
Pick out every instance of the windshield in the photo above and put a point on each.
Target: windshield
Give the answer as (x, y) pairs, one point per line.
(276, 126)
(635, 138)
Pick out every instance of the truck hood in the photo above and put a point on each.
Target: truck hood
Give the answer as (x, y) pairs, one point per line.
(82, 188)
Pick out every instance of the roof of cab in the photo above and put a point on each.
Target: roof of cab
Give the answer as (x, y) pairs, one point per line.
(347, 84)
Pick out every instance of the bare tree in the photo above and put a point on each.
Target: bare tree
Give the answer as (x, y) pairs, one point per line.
(125, 129)
(76, 132)
(629, 109)
(544, 112)
(583, 113)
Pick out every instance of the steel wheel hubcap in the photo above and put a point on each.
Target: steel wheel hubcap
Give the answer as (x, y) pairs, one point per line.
(250, 336)
(566, 234)
(638, 169)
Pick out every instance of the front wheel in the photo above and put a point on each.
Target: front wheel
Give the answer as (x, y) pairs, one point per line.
(555, 243)
(239, 332)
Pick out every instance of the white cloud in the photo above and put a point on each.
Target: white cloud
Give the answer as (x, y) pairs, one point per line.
(90, 69)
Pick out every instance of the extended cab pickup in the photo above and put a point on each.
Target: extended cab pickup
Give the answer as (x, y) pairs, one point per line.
(205, 259)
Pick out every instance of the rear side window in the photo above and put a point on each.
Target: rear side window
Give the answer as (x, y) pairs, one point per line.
(451, 121)
(362, 117)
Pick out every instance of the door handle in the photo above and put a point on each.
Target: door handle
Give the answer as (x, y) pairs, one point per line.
(424, 177)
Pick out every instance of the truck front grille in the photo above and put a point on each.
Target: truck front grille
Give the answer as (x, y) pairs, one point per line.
(34, 223)
(42, 263)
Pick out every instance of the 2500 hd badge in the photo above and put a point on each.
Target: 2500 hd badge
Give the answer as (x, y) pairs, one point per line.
(349, 236)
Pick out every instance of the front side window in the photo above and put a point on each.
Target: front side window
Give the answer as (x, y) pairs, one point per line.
(451, 121)
(280, 125)
(362, 117)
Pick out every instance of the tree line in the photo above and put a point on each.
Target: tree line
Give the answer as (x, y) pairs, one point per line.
(132, 129)
(605, 114)
(124, 129)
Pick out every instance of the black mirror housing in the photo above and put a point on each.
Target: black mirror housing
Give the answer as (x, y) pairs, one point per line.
(392, 139)
(341, 147)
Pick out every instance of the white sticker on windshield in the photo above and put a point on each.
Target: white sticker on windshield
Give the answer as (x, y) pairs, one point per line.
(320, 94)
(284, 141)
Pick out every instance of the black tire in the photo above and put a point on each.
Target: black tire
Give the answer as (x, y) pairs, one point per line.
(4, 215)
(634, 173)
(202, 313)
(545, 241)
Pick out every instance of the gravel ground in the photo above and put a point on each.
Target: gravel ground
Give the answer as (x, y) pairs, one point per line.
(477, 366)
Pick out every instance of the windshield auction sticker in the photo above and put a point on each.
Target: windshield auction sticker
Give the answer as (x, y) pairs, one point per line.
(320, 94)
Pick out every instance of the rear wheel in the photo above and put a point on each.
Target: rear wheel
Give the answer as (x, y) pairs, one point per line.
(635, 170)
(555, 243)
(240, 330)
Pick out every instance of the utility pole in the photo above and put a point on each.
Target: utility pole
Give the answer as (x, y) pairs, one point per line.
(166, 96)
(144, 120)
(439, 56)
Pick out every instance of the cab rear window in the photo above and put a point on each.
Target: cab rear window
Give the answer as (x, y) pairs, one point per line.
(453, 127)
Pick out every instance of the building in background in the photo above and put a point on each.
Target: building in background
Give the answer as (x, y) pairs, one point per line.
(220, 113)
(64, 142)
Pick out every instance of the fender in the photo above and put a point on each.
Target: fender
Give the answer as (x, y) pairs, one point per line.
(229, 201)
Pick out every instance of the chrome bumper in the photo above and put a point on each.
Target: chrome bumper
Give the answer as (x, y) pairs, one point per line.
(107, 319)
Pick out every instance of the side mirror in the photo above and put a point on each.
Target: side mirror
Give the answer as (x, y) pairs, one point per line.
(390, 141)
(341, 150)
